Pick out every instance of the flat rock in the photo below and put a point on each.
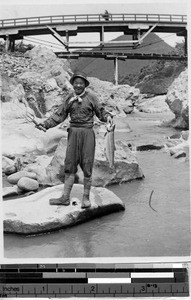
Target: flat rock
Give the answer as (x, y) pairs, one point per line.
(179, 154)
(14, 178)
(34, 215)
(10, 191)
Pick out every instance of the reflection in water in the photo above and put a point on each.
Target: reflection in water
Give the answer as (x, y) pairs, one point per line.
(137, 231)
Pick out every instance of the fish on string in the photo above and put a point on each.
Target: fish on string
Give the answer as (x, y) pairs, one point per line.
(110, 145)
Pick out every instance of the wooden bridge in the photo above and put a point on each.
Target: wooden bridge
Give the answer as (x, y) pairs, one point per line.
(120, 55)
(136, 25)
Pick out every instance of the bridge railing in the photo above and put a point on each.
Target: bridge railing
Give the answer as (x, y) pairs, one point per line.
(49, 20)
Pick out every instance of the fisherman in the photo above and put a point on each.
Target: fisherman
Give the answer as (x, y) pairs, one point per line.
(81, 105)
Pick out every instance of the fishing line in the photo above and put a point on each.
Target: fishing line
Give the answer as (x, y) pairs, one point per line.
(45, 43)
(150, 201)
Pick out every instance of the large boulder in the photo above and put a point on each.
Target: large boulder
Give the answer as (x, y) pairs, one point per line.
(155, 104)
(55, 170)
(39, 166)
(116, 98)
(126, 165)
(14, 178)
(177, 100)
(45, 61)
(52, 80)
(20, 138)
(41, 56)
(37, 216)
(15, 110)
(40, 78)
(28, 184)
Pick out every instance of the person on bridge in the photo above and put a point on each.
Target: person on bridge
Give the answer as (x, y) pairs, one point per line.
(81, 105)
(106, 15)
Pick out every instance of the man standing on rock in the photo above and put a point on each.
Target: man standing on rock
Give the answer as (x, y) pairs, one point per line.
(81, 106)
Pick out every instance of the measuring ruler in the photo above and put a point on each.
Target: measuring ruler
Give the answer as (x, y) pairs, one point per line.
(93, 280)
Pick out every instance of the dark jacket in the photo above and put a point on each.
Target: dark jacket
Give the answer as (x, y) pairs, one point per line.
(81, 111)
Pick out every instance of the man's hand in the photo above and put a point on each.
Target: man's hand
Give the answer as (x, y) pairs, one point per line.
(110, 119)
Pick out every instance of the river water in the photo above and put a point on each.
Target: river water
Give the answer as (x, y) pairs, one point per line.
(139, 231)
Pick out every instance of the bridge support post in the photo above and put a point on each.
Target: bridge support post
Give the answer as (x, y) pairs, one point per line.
(185, 45)
(67, 39)
(7, 43)
(102, 37)
(116, 70)
(12, 45)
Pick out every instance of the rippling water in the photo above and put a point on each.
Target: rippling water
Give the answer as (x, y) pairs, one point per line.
(138, 231)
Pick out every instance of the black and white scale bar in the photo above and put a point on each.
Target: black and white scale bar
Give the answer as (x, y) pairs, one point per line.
(109, 268)
(102, 280)
(118, 290)
(86, 277)
(61, 280)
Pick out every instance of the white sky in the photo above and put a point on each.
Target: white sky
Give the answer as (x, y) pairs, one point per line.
(34, 8)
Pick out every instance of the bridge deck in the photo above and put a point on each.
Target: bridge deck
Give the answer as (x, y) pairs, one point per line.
(161, 18)
(93, 23)
(120, 55)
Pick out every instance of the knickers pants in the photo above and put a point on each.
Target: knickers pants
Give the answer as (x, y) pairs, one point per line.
(80, 150)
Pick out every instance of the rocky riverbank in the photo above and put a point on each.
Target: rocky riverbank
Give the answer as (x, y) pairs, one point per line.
(32, 159)
(147, 133)
(29, 85)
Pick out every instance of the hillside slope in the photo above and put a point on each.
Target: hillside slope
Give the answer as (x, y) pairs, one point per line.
(104, 69)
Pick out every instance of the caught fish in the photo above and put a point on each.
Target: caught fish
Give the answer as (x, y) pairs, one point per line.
(110, 144)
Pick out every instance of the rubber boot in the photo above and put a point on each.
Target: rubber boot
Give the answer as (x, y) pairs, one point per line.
(65, 198)
(86, 196)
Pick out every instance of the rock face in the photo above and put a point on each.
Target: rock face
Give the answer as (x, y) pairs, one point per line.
(159, 77)
(35, 80)
(177, 100)
(34, 215)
